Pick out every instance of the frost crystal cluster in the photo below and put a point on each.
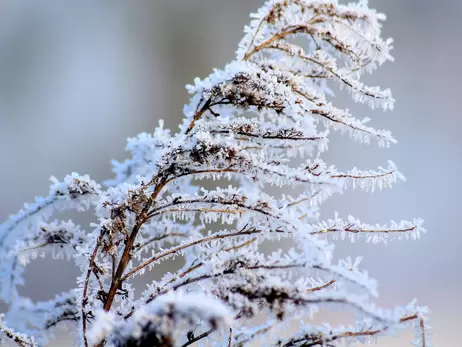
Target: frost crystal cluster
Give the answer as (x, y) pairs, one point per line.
(256, 128)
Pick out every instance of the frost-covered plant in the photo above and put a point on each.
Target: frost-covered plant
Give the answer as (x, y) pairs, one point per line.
(250, 125)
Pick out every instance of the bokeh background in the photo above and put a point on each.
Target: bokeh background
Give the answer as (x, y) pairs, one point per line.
(78, 78)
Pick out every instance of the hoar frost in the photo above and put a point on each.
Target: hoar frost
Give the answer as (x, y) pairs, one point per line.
(261, 122)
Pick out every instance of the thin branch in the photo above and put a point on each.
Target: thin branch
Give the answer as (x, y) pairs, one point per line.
(311, 341)
(353, 230)
(199, 337)
(85, 289)
(182, 247)
(324, 286)
(230, 338)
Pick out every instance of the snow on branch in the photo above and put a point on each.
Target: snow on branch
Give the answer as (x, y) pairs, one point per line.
(159, 323)
(353, 229)
(327, 335)
(20, 339)
(256, 130)
(75, 192)
(368, 180)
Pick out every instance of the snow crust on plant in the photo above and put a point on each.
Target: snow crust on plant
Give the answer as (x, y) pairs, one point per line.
(164, 316)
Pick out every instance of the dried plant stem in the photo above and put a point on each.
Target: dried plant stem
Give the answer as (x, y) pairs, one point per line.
(182, 247)
(85, 290)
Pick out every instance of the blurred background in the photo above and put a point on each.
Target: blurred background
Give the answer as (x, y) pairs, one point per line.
(78, 78)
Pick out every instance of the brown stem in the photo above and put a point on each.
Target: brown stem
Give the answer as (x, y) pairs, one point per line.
(184, 246)
(279, 36)
(116, 282)
(85, 290)
(198, 116)
(126, 255)
(199, 337)
(230, 338)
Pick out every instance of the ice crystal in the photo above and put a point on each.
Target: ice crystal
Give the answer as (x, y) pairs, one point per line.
(263, 120)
